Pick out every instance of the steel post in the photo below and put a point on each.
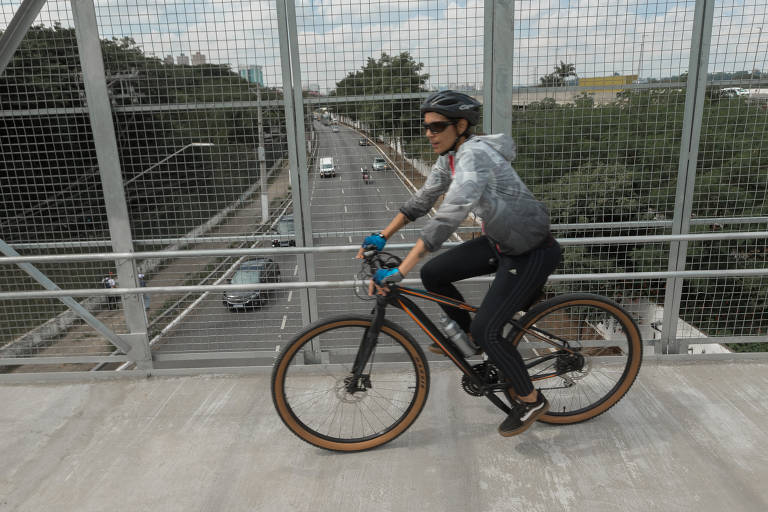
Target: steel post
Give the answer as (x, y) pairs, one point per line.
(104, 138)
(686, 177)
(297, 156)
(14, 34)
(499, 46)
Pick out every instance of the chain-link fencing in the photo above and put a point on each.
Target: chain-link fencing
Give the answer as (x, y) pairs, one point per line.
(202, 141)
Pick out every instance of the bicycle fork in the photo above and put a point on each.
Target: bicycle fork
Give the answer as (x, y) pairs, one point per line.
(358, 381)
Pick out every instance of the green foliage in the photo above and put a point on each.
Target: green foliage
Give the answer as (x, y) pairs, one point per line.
(619, 162)
(396, 118)
(584, 100)
(388, 74)
(559, 76)
(595, 193)
(46, 152)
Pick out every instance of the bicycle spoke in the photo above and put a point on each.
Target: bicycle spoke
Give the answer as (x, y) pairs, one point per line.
(596, 353)
(319, 397)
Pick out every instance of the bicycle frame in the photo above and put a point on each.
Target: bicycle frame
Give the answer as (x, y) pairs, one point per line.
(396, 297)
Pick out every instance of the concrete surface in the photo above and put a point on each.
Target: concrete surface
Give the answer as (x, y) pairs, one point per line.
(687, 437)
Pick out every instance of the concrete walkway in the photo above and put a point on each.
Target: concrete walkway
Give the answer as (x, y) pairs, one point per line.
(689, 436)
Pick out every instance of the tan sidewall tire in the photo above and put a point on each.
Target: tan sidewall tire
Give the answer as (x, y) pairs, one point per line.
(634, 365)
(283, 410)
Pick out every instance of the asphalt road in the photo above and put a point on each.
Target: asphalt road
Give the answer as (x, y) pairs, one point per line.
(343, 208)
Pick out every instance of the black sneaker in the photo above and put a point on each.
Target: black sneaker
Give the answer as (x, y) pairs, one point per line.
(523, 415)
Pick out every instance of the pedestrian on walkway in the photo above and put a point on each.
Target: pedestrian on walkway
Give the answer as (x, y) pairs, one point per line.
(143, 284)
(109, 282)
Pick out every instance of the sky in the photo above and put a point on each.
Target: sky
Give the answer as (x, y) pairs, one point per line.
(601, 37)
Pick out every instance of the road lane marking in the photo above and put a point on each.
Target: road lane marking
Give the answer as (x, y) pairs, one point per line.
(282, 326)
(342, 191)
(290, 295)
(295, 270)
(402, 236)
(387, 207)
(377, 190)
(345, 209)
(350, 238)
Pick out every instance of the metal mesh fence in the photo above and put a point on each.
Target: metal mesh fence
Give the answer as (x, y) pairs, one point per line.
(196, 94)
(731, 180)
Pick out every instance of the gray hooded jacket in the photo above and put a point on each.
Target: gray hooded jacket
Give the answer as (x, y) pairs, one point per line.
(485, 184)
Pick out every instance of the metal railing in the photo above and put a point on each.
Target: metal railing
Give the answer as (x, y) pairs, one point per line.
(643, 146)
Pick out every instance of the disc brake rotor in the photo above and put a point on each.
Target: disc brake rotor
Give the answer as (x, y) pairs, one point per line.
(343, 394)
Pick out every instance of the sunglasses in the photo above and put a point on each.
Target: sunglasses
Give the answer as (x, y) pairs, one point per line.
(437, 126)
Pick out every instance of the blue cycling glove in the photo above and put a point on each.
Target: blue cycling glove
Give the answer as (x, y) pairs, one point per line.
(387, 276)
(376, 240)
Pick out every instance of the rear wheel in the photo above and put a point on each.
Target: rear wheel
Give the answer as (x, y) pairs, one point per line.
(311, 392)
(604, 357)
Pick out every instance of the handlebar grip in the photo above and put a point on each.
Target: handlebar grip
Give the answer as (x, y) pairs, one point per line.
(370, 256)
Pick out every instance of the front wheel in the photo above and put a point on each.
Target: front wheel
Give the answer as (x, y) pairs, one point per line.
(601, 360)
(312, 393)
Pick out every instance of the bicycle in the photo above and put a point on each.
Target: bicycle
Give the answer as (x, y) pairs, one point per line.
(582, 350)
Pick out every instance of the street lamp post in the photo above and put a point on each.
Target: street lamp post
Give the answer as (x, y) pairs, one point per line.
(145, 171)
(262, 160)
(757, 49)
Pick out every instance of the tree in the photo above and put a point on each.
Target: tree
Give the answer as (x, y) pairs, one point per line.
(50, 152)
(559, 76)
(389, 74)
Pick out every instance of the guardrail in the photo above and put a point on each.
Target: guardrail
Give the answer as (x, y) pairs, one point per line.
(611, 276)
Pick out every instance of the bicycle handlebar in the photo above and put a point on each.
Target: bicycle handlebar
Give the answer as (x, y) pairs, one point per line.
(376, 260)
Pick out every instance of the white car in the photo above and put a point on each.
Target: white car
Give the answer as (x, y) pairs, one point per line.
(733, 92)
(335, 129)
(379, 164)
(327, 169)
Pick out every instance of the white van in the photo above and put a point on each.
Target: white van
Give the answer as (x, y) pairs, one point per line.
(327, 170)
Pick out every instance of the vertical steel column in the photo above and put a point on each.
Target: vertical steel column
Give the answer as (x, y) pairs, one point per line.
(498, 48)
(100, 112)
(297, 152)
(686, 176)
(18, 27)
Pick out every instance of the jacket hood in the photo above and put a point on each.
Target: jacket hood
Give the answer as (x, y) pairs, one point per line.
(501, 143)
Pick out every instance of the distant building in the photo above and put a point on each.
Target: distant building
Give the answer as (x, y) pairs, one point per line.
(168, 60)
(470, 89)
(612, 83)
(182, 60)
(312, 89)
(253, 74)
(198, 59)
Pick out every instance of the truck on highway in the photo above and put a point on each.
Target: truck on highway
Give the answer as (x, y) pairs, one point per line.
(327, 170)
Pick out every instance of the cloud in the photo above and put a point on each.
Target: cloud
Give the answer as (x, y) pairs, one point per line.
(336, 37)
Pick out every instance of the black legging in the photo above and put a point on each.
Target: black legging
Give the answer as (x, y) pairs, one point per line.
(518, 280)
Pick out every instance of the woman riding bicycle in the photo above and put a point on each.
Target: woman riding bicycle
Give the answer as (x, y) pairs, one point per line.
(475, 174)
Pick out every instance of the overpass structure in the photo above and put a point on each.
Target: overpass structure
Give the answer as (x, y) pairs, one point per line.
(688, 436)
(154, 396)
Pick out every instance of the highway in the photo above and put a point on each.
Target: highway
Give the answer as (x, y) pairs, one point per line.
(342, 208)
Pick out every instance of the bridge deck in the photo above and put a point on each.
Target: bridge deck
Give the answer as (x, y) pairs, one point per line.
(690, 436)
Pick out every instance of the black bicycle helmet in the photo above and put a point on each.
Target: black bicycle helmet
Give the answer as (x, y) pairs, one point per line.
(453, 105)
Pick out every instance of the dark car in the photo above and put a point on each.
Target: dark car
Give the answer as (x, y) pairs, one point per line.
(253, 271)
(285, 227)
(363, 142)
